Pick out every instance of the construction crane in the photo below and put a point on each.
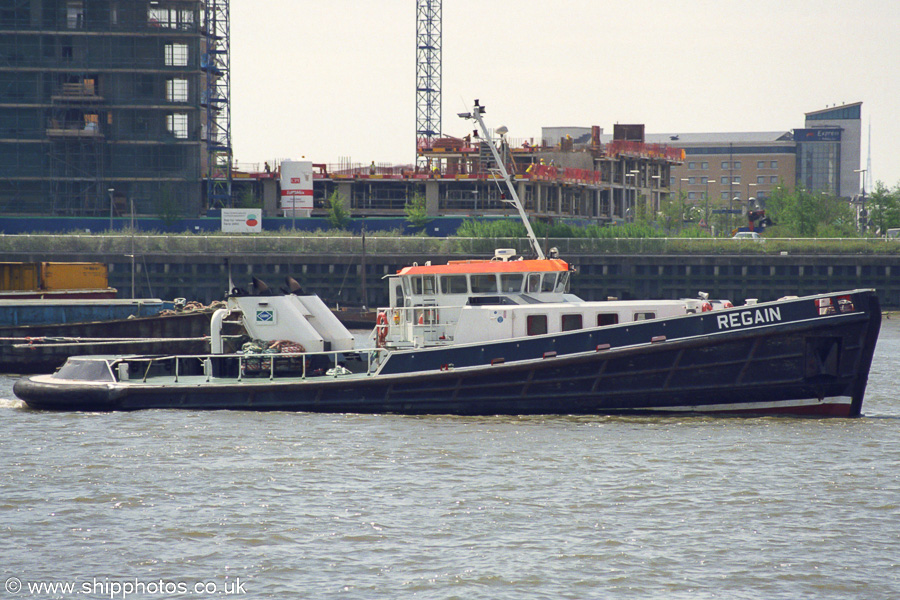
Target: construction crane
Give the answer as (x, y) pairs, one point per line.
(428, 73)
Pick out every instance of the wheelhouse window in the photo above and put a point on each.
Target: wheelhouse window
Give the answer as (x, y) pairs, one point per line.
(536, 324)
(548, 283)
(511, 282)
(534, 283)
(484, 284)
(423, 285)
(570, 322)
(454, 284)
(644, 316)
(607, 319)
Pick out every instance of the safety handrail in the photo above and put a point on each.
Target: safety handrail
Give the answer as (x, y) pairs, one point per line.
(373, 358)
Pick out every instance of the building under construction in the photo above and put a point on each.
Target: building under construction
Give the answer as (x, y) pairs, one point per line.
(102, 103)
(557, 177)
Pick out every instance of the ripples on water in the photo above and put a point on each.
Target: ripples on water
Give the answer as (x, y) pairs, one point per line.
(357, 506)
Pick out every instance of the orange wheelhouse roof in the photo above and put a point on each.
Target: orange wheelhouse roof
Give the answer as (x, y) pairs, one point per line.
(461, 267)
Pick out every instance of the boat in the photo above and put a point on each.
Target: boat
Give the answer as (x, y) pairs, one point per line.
(36, 348)
(50, 311)
(501, 335)
(356, 317)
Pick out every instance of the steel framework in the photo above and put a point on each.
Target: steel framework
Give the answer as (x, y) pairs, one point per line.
(217, 64)
(428, 73)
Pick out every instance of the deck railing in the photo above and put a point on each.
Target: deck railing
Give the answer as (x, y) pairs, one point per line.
(419, 326)
(300, 365)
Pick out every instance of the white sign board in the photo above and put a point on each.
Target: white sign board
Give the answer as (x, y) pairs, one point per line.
(296, 185)
(241, 220)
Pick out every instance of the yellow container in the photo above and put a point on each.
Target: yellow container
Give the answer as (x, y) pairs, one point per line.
(19, 276)
(74, 276)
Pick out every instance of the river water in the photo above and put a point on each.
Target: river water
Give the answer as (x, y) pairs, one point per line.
(169, 504)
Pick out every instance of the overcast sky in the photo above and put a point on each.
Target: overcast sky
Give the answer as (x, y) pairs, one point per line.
(332, 80)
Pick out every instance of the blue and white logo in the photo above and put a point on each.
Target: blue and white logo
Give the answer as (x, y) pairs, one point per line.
(265, 317)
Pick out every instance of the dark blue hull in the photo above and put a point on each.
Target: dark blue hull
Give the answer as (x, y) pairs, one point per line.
(777, 358)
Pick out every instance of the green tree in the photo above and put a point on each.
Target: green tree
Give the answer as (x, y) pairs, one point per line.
(792, 211)
(721, 224)
(669, 215)
(338, 215)
(171, 210)
(836, 218)
(800, 213)
(416, 211)
(884, 207)
(247, 198)
(641, 211)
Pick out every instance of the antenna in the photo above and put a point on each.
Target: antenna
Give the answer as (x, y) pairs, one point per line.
(475, 115)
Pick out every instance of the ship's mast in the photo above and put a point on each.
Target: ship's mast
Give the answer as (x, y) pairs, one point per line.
(476, 113)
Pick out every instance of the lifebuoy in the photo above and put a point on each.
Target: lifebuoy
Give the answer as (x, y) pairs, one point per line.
(381, 329)
(706, 306)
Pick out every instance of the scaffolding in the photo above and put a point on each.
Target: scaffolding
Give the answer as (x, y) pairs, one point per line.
(100, 106)
(217, 101)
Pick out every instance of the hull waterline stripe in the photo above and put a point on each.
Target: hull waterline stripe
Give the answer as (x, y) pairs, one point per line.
(753, 406)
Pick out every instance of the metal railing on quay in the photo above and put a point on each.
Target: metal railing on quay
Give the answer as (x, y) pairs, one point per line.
(189, 244)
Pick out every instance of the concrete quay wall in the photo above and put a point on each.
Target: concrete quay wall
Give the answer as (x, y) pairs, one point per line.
(337, 278)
